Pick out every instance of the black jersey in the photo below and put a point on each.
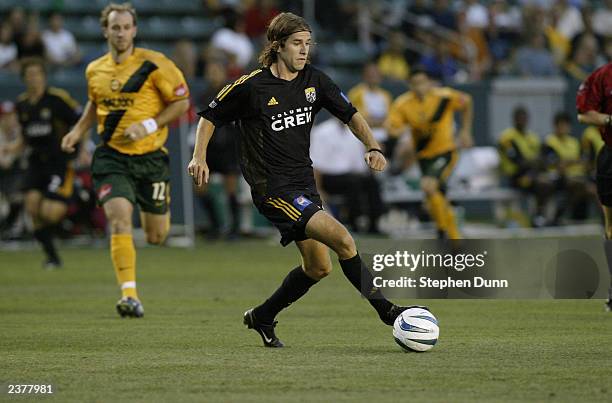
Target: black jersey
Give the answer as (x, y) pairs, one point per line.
(275, 117)
(46, 122)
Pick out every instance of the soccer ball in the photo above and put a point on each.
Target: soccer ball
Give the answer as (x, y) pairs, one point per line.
(416, 329)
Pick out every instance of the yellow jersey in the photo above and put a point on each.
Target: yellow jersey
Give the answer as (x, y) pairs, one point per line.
(566, 150)
(372, 103)
(430, 118)
(124, 93)
(516, 148)
(591, 143)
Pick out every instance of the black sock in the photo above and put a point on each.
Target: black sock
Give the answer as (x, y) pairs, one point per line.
(294, 286)
(45, 237)
(608, 250)
(355, 270)
(235, 212)
(208, 204)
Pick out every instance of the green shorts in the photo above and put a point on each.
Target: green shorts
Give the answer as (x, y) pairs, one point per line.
(142, 179)
(440, 166)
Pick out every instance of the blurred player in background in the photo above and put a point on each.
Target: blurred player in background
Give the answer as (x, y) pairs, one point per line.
(520, 154)
(429, 112)
(134, 93)
(222, 159)
(561, 152)
(275, 107)
(594, 105)
(46, 114)
(11, 168)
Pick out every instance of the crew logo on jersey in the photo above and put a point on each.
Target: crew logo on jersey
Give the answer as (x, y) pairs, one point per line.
(311, 94)
(292, 118)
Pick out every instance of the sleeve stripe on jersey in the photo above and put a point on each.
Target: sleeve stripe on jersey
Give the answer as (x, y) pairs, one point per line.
(64, 96)
(137, 80)
(110, 124)
(241, 80)
(440, 110)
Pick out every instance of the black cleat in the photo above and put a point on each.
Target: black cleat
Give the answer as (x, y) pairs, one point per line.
(130, 307)
(266, 331)
(396, 310)
(608, 305)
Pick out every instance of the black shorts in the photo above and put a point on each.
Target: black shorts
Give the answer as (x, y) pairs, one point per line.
(54, 181)
(603, 177)
(289, 212)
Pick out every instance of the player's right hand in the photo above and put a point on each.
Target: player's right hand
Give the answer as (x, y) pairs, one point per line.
(198, 170)
(70, 140)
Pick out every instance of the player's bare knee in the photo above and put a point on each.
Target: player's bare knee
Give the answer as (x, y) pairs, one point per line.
(346, 247)
(120, 225)
(429, 186)
(156, 237)
(318, 271)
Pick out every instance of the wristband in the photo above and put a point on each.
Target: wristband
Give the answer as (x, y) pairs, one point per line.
(150, 125)
(375, 149)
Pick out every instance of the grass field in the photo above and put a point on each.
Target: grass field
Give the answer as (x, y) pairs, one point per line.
(61, 328)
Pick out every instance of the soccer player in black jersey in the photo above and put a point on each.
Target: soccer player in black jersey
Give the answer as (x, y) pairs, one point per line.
(46, 114)
(274, 107)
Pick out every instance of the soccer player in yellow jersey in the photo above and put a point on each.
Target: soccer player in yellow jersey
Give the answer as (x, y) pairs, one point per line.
(429, 112)
(133, 93)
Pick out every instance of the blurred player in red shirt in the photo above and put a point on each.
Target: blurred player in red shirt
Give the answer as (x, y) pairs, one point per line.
(594, 104)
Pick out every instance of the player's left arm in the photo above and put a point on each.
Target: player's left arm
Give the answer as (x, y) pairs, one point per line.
(466, 107)
(172, 87)
(374, 156)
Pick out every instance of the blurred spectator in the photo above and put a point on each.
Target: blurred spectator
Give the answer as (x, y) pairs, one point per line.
(60, 45)
(347, 177)
(583, 59)
(519, 150)
(11, 169)
(258, 16)
(17, 21)
(185, 58)
(392, 62)
(504, 30)
(476, 15)
(372, 101)
(8, 48)
(602, 19)
(439, 64)
(31, 44)
(570, 21)
(222, 159)
(475, 49)
(534, 59)
(562, 154)
(443, 15)
(233, 41)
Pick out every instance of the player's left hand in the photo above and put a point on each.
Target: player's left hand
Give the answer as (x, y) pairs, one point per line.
(375, 160)
(135, 131)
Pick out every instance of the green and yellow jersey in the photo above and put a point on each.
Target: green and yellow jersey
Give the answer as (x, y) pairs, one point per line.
(517, 150)
(566, 151)
(129, 92)
(591, 142)
(430, 118)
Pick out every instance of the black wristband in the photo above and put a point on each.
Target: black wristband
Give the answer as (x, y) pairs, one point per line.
(375, 149)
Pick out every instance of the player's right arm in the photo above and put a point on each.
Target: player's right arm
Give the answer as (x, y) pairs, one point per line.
(85, 122)
(589, 100)
(198, 169)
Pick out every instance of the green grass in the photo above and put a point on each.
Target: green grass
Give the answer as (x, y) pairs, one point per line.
(61, 328)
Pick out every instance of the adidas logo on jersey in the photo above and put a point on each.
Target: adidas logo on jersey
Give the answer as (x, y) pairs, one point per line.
(272, 102)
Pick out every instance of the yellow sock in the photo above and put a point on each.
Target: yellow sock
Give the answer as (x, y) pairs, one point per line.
(452, 231)
(435, 204)
(123, 255)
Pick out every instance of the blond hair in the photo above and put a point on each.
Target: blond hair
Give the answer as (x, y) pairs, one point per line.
(123, 7)
(281, 27)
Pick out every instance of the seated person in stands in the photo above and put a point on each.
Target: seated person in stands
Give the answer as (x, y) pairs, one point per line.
(347, 177)
(519, 151)
(590, 144)
(561, 153)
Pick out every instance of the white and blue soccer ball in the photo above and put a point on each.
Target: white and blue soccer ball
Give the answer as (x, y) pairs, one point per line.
(416, 329)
